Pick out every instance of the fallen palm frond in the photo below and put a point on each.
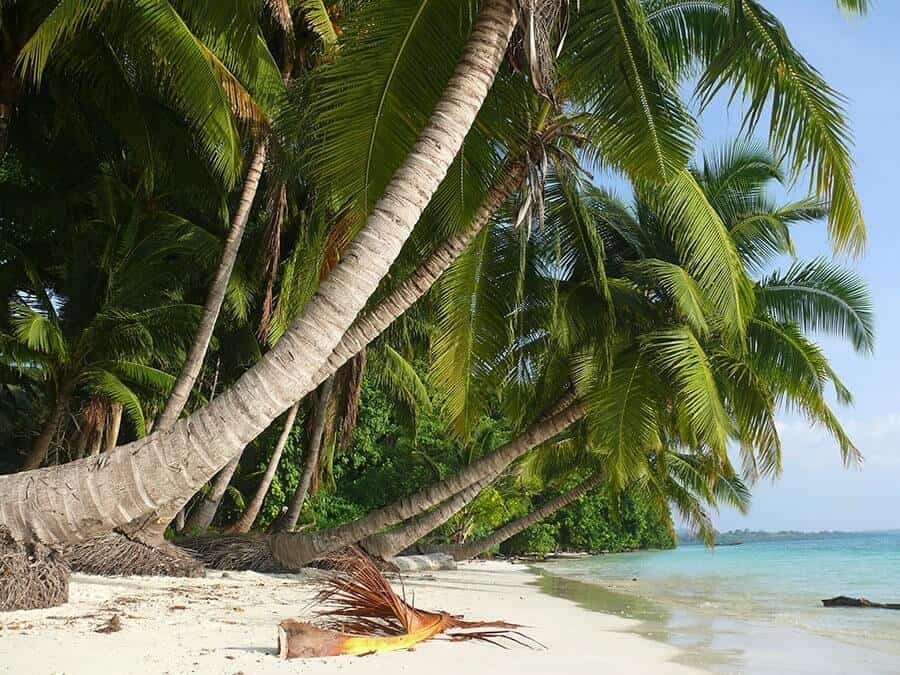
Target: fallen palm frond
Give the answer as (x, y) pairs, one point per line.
(361, 614)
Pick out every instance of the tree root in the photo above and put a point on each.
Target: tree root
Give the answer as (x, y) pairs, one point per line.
(31, 577)
(116, 554)
(232, 552)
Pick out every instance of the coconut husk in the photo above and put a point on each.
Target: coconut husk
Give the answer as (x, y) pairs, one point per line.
(31, 576)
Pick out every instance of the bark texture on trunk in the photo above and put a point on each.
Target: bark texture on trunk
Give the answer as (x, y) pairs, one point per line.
(134, 481)
(475, 548)
(248, 517)
(41, 446)
(216, 295)
(6, 114)
(114, 424)
(202, 514)
(311, 462)
(294, 550)
(388, 544)
(372, 324)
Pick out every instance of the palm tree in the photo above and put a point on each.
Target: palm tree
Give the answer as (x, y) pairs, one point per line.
(101, 336)
(273, 385)
(278, 379)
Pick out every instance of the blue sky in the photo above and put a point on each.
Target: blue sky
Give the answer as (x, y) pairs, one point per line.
(861, 58)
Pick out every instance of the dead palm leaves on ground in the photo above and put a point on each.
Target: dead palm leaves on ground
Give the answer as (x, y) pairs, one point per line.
(361, 614)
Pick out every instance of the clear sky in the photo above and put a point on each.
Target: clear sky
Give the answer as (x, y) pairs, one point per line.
(861, 58)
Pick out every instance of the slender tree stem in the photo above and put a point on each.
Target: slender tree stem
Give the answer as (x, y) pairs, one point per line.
(311, 462)
(245, 522)
(216, 295)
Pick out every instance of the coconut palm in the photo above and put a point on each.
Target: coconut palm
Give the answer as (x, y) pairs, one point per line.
(275, 383)
(100, 335)
(674, 374)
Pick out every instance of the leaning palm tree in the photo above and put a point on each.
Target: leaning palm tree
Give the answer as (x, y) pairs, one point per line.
(281, 376)
(678, 367)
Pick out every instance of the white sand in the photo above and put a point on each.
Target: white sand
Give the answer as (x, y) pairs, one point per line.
(226, 624)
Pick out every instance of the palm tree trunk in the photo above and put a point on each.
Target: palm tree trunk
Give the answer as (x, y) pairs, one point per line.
(41, 446)
(311, 462)
(6, 114)
(388, 544)
(475, 548)
(369, 326)
(137, 479)
(216, 296)
(245, 522)
(203, 513)
(114, 423)
(294, 550)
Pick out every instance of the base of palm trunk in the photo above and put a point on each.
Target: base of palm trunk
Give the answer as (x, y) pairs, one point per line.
(31, 577)
(115, 555)
(232, 552)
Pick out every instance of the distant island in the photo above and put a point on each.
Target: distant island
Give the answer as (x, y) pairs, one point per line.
(735, 537)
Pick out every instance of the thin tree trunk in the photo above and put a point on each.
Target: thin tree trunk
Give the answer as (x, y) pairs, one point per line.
(204, 512)
(6, 115)
(245, 522)
(97, 441)
(388, 544)
(294, 550)
(114, 424)
(475, 548)
(311, 461)
(136, 480)
(41, 446)
(216, 295)
(81, 445)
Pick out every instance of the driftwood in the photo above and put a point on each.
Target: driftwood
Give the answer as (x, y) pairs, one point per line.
(844, 601)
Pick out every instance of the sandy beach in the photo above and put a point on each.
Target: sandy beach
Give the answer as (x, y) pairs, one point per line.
(225, 623)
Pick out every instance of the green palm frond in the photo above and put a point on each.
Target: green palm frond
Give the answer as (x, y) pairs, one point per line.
(38, 332)
(106, 384)
(686, 295)
(316, 14)
(807, 121)
(678, 353)
(705, 246)
(618, 74)
(821, 296)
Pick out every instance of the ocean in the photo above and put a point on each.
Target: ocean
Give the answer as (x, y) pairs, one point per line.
(754, 608)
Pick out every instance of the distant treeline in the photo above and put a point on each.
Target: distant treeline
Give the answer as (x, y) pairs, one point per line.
(732, 537)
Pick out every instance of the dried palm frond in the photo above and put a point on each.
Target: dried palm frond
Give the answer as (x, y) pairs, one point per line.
(361, 614)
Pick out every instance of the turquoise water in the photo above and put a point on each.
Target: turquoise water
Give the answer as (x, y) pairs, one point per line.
(755, 608)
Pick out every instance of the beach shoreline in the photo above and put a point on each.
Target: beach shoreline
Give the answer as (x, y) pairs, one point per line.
(225, 623)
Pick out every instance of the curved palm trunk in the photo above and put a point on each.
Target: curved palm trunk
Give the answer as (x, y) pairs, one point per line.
(204, 512)
(475, 548)
(135, 480)
(216, 296)
(372, 324)
(311, 462)
(294, 550)
(41, 446)
(388, 544)
(245, 522)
